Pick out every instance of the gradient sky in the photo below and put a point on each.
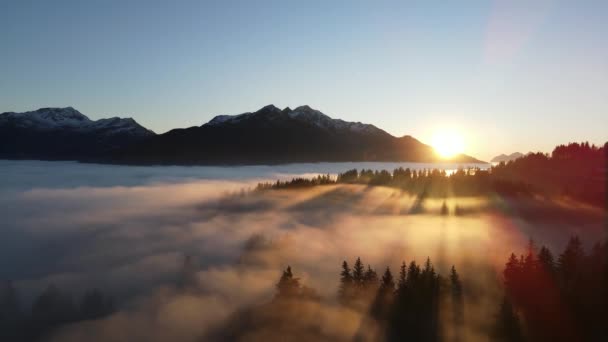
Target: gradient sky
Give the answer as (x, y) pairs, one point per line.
(511, 75)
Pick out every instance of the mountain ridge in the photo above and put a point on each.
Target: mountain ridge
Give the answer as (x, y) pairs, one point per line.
(272, 135)
(64, 133)
(506, 158)
(267, 136)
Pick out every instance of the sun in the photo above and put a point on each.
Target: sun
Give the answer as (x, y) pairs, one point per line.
(448, 143)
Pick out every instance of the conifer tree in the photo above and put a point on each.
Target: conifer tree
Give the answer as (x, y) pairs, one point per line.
(358, 273)
(413, 273)
(288, 286)
(572, 257)
(508, 327)
(370, 278)
(457, 301)
(546, 260)
(512, 273)
(384, 297)
(346, 284)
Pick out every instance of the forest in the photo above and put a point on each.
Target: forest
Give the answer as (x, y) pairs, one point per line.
(546, 298)
(577, 171)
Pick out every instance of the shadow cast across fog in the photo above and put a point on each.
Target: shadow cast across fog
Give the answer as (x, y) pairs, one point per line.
(131, 242)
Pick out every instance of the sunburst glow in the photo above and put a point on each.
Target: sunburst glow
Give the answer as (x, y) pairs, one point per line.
(448, 143)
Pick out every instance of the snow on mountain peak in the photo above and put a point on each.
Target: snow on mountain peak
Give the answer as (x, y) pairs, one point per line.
(48, 118)
(71, 119)
(302, 113)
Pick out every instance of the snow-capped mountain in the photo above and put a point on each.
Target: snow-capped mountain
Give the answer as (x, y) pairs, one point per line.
(302, 113)
(64, 133)
(68, 118)
(273, 135)
(269, 135)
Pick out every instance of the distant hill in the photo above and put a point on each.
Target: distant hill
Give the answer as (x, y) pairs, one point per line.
(64, 133)
(267, 136)
(272, 135)
(505, 158)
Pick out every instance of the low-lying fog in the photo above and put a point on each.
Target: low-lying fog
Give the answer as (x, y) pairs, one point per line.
(127, 231)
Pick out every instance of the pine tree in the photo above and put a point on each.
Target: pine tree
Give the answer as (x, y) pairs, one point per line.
(358, 273)
(570, 262)
(402, 276)
(546, 260)
(346, 284)
(457, 300)
(388, 282)
(413, 273)
(429, 270)
(508, 327)
(288, 286)
(370, 278)
(512, 273)
(384, 297)
(455, 283)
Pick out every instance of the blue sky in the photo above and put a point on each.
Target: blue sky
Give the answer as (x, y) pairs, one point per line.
(510, 75)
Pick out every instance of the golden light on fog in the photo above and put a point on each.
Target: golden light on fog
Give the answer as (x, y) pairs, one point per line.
(448, 143)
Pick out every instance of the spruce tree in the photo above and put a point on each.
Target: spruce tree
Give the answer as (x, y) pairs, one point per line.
(358, 273)
(346, 284)
(457, 300)
(370, 278)
(402, 276)
(288, 286)
(508, 327)
(384, 298)
(546, 260)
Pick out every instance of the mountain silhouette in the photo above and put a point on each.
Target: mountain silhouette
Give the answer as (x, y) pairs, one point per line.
(272, 135)
(64, 133)
(505, 158)
(267, 136)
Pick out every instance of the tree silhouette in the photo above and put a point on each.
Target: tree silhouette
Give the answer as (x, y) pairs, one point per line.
(457, 302)
(345, 291)
(358, 273)
(570, 262)
(288, 286)
(370, 278)
(385, 296)
(508, 327)
(546, 260)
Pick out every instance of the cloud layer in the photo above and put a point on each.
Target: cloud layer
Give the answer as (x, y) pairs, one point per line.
(131, 241)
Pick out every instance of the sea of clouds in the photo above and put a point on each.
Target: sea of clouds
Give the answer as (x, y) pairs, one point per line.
(128, 230)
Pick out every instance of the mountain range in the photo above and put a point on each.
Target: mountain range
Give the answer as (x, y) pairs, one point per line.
(65, 133)
(506, 158)
(267, 136)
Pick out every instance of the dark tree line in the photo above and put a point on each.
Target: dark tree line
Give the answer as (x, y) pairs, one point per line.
(574, 170)
(51, 309)
(405, 307)
(297, 183)
(555, 299)
(424, 183)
